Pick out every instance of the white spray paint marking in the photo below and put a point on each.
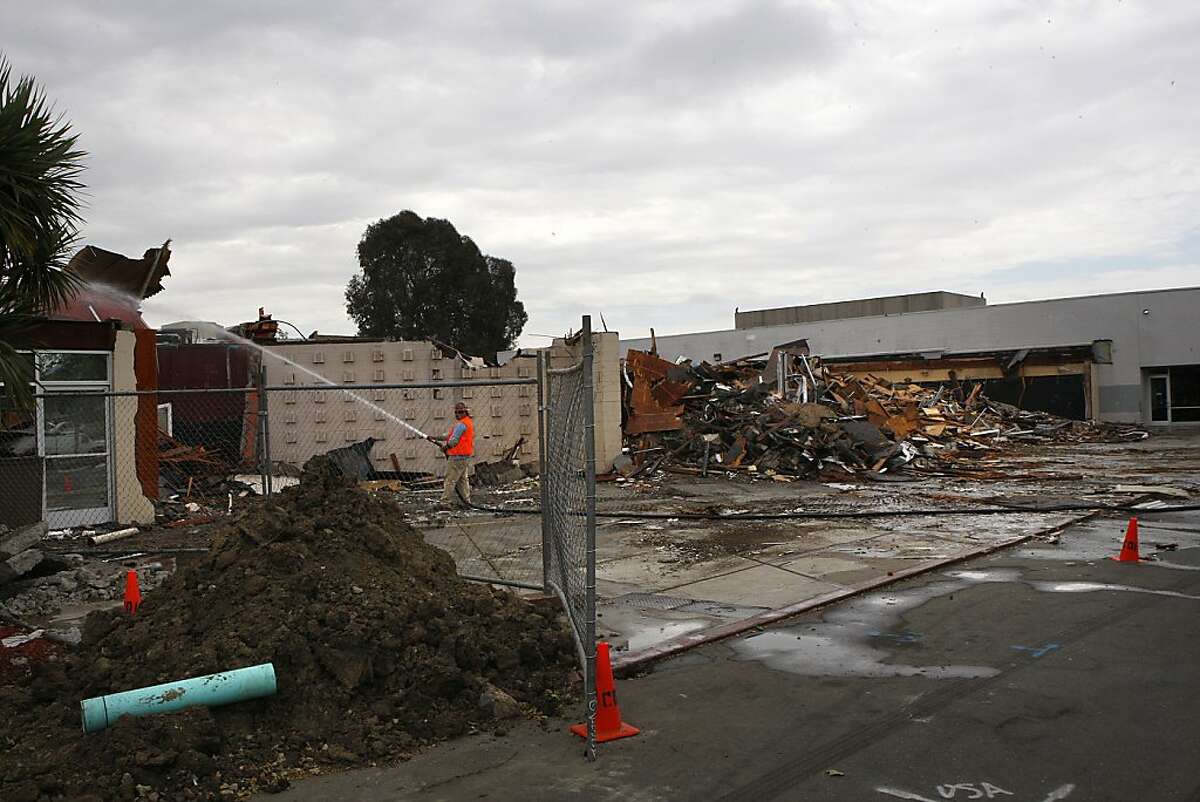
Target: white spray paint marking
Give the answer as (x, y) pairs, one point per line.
(980, 790)
(896, 792)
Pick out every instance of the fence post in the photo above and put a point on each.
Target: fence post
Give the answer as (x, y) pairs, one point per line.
(264, 428)
(589, 434)
(543, 464)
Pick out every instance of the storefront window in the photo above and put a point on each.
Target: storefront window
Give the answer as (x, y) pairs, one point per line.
(1185, 394)
(75, 424)
(72, 367)
(76, 483)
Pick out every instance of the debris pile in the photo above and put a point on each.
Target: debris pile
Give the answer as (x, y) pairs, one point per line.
(72, 579)
(753, 416)
(378, 645)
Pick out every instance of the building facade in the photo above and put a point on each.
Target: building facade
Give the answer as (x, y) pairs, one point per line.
(315, 417)
(1136, 354)
(81, 456)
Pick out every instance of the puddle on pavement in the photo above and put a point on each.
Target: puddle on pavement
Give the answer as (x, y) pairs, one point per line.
(1014, 575)
(650, 633)
(860, 637)
(1092, 587)
(856, 638)
(630, 629)
(834, 651)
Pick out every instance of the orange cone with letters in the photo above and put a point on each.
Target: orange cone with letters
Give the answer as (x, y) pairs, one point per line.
(133, 593)
(609, 726)
(1129, 549)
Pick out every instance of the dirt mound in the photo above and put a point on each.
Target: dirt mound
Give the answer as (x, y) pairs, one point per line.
(379, 648)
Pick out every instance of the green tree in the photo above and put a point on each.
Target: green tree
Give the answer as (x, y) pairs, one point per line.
(39, 212)
(421, 279)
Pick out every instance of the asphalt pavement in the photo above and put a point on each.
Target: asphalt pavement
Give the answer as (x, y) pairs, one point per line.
(1046, 672)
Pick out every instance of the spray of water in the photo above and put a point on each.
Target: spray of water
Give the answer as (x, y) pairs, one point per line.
(218, 332)
(214, 331)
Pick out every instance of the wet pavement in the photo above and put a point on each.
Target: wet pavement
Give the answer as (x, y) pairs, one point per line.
(667, 584)
(1043, 672)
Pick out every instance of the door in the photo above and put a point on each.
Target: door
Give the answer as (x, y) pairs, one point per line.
(74, 437)
(1160, 394)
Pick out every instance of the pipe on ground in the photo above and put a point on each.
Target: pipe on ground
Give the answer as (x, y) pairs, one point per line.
(212, 690)
(108, 537)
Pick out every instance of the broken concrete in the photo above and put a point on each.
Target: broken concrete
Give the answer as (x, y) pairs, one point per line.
(83, 585)
(18, 565)
(12, 543)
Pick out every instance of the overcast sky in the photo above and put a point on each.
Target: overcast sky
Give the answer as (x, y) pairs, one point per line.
(659, 163)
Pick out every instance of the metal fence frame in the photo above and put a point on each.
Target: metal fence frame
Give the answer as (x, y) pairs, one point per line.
(554, 483)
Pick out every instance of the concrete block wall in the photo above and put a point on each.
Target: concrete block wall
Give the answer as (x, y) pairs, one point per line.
(606, 390)
(310, 421)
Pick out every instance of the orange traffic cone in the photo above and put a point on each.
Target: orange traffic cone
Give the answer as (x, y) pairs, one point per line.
(609, 726)
(1129, 549)
(133, 593)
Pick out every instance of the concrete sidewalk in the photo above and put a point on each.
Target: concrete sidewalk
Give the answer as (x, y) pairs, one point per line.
(668, 584)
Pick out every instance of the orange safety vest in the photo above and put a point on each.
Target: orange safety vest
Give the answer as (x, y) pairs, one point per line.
(466, 443)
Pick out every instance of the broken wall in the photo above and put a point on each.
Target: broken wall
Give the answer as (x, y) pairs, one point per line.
(606, 390)
(130, 505)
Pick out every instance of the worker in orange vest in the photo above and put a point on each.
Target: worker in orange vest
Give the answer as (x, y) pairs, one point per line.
(459, 448)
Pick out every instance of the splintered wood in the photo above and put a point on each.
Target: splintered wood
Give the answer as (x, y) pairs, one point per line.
(733, 417)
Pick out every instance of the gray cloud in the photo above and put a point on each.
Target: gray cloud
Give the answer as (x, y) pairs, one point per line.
(659, 162)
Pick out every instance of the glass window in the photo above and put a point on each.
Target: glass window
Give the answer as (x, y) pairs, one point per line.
(71, 367)
(76, 483)
(1185, 394)
(74, 424)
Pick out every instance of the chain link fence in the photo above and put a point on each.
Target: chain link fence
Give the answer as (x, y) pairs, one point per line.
(91, 457)
(569, 507)
(88, 458)
(174, 458)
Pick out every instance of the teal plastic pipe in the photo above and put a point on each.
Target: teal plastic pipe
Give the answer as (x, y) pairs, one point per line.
(212, 690)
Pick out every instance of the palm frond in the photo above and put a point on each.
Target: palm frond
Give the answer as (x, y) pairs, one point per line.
(40, 168)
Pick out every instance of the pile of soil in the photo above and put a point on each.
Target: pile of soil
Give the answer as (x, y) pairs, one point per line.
(379, 648)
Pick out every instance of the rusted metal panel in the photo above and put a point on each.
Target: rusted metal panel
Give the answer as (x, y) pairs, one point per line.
(654, 399)
(140, 278)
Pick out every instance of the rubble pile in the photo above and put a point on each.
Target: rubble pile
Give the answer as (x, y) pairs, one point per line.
(76, 581)
(379, 647)
(735, 417)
